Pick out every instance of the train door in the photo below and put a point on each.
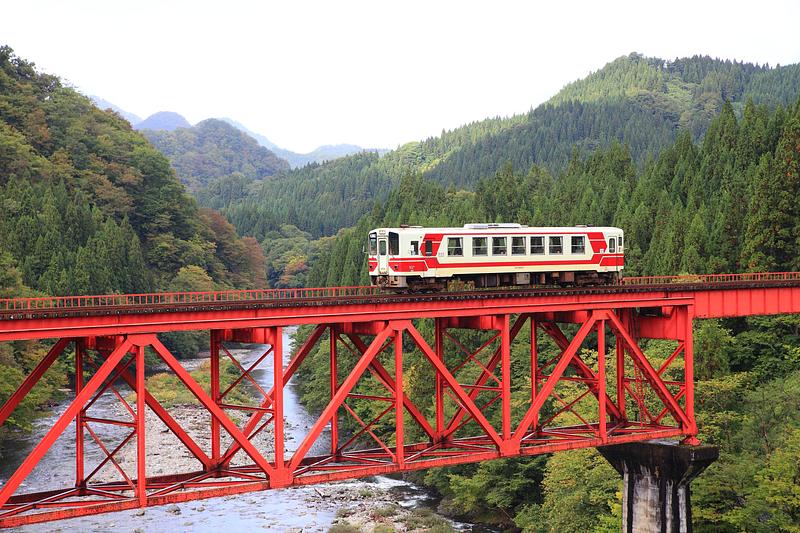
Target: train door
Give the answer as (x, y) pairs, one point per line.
(383, 256)
(612, 249)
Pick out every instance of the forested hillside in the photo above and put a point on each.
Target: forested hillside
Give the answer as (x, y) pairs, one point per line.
(727, 203)
(322, 198)
(214, 149)
(89, 206)
(640, 102)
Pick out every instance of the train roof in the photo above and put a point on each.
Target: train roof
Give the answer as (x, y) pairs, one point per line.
(501, 228)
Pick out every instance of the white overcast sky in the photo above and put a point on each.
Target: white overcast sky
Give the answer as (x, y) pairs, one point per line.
(372, 73)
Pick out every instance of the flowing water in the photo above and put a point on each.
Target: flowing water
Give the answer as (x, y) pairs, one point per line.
(303, 508)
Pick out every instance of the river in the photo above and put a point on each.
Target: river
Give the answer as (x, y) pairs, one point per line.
(312, 508)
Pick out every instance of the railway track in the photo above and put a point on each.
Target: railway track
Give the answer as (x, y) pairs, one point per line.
(109, 305)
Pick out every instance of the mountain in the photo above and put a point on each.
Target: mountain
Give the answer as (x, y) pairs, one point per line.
(321, 154)
(725, 203)
(90, 205)
(163, 121)
(214, 149)
(639, 101)
(105, 104)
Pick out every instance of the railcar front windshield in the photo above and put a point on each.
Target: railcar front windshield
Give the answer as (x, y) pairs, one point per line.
(373, 244)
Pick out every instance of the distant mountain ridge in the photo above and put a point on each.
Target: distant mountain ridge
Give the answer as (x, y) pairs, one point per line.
(105, 104)
(214, 149)
(327, 152)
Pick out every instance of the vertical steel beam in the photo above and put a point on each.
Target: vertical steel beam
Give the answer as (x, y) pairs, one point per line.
(215, 432)
(620, 346)
(534, 370)
(255, 419)
(688, 360)
(505, 371)
(141, 453)
(399, 398)
(439, 384)
(79, 471)
(650, 374)
(277, 405)
(463, 397)
(334, 385)
(601, 378)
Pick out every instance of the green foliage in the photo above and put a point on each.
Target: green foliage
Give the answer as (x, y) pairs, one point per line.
(641, 103)
(579, 487)
(213, 149)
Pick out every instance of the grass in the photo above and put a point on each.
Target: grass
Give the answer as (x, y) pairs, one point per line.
(384, 511)
(424, 519)
(344, 527)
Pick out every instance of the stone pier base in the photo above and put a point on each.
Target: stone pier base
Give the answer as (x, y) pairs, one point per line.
(657, 474)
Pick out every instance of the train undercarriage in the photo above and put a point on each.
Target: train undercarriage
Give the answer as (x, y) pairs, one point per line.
(494, 280)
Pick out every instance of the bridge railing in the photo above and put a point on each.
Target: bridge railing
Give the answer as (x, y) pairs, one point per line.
(179, 298)
(712, 278)
(188, 298)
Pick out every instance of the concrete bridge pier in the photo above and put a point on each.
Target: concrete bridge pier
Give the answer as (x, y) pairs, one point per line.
(657, 475)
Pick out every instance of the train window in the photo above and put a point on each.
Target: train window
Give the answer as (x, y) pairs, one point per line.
(556, 245)
(373, 244)
(537, 244)
(414, 248)
(612, 245)
(382, 247)
(479, 246)
(620, 242)
(578, 245)
(394, 243)
(499, 246)
(428, 248)
(517, 245)
(454, 247)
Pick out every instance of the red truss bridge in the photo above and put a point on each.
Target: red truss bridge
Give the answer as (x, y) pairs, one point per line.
(370, 337)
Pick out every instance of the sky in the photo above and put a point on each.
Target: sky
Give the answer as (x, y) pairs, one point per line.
(372, 73)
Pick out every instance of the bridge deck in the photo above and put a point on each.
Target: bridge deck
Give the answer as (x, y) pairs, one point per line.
(712, 297)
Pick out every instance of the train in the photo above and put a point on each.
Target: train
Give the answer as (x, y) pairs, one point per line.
(421, 259)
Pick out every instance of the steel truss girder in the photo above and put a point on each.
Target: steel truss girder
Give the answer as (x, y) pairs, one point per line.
(476, 430)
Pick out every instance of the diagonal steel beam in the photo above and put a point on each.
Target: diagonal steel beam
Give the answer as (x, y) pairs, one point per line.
(168, 421)
(455, 421)
(650, 374)
(463, 397)
(63, 421)
(212, 407)
(341, 394)
(550, 384)
(580, 367)
(32, 379)
(387, 379)
(294, 364)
